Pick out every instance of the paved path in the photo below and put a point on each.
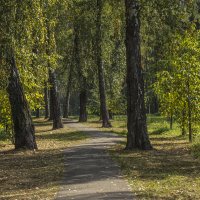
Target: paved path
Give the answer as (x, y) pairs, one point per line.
(90, 173)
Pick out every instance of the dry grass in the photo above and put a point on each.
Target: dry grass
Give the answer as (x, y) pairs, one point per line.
(36, 175)
(168, 172)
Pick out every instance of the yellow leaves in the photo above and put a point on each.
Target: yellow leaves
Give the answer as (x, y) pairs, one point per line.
(35, 100)
(4, 109)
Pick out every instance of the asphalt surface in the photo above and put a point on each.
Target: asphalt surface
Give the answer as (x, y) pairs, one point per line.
(90, 172)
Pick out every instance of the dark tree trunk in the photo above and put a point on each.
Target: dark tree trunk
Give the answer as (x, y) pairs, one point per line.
(67, 99)
(171, 121)
(110, 114)
(37, 115)
(102, 91)
(183, 122)
(50, 105)
(66, 105)
(189, 111)
(23, 125)
(82, 79)
(83, 106)
(55, 103)
(155, 105)
(190, 122)
(46, 101)
(137, 136)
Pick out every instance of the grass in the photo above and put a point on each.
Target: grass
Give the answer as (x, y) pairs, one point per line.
(170, 171)
(195, 148)
(36, 175)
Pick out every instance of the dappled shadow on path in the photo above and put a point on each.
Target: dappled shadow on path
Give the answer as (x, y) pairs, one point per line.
(100, 195)
(70, 136)
(91, 173)
(69, 121)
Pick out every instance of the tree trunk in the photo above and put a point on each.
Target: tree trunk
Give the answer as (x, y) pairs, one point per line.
(82, 78)
(66, 105)
(50, 105)
(102, 91)
(155, 105)
(37, 115)
(110, 114)
(183, 122)
(189, 111)
(137, 136)
(23, 125)
(55, 103)
(190, 122)
(171, 121)
(83, 106)
(67, 100)
(46, 101)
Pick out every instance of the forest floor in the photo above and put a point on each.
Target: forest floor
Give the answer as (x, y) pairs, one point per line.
(36, 175)
(170, 171)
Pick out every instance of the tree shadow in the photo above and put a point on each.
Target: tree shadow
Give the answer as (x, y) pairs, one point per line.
(65, 136)
(42, 123)
(171, 138)
(159, 131)
(159, 164)
(97, 195)
(27, 171)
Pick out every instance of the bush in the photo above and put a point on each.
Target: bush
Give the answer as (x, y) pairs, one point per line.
(195, 148)
(160, 131)
(6, 135)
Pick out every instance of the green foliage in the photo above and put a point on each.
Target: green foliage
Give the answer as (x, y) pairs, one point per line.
(196, 149)
(22, 35)
(178, 88)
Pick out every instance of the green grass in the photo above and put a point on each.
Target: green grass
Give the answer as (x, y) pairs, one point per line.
(170, 171)
(195, 147)
(36, 175)
(3, 135)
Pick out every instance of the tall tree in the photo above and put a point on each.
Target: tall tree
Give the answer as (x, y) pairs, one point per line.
(55, 103)
(46, 101)
(67, 98)
(20, 33)
(83, 102)
(82, 79)
(137, 136)
(55, 109)
(23, 125)
(102, 90)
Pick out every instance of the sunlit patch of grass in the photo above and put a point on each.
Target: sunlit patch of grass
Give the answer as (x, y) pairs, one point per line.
(195, 147)
(36, 175)
(160, 131)
(169, 171)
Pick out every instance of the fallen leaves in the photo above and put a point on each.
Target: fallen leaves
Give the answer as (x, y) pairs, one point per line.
(36, 175)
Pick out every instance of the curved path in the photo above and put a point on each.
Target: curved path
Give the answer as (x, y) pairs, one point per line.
(90, 173)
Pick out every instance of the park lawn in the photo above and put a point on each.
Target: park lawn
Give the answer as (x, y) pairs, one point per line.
(170, 171)
(36, 175)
